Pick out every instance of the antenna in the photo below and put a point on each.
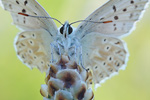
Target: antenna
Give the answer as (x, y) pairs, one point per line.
(40, 17)
(60, 22)
(90, 21)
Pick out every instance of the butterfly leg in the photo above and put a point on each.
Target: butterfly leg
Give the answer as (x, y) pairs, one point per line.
(55, 51)
(59, 50)
(79, 49)
(52, 47)
(73, 53)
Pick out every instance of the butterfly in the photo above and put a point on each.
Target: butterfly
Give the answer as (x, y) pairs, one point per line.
(96, 43)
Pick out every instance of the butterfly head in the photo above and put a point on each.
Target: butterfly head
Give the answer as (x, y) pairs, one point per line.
(66, 29)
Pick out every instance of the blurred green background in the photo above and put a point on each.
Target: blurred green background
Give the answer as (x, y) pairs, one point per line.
(17, 82)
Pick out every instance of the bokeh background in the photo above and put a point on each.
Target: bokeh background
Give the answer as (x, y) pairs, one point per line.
(17, 82)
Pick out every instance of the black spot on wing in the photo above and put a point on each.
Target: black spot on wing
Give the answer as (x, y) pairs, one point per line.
(104, 40)
(23, 10)
(102, 18)
(115, 28)
(22, 44)
(110, 58)
(33, 35)
(116, 17)
(31, 42)
(24, 20)
(117, 43)
(131, 15)
(22, 36)
(104, 63)
(114, 8)
(25, 2)
(124, 10)
(17, 2)
(136, 6)
(132, 2)
(107, 48)
(81, 27)
(35, 13)
(10, 6)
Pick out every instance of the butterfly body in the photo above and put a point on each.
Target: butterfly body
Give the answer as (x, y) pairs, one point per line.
(66, 43)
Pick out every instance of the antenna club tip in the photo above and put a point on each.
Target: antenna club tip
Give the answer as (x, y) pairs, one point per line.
(23, 14)
(107, 22)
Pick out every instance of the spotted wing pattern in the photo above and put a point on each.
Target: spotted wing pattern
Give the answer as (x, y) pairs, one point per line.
(30, 7)
(33, 49)
(103, 51)
(104, 55)
(122, 13)
(33, 44)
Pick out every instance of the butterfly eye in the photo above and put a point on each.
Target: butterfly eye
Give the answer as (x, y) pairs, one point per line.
(61, 29)
(70, 29)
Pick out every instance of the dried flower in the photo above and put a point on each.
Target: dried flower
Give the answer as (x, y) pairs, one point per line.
(66, 80)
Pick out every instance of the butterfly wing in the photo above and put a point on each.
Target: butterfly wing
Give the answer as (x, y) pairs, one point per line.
(103, 51)
(122, 13)
(104, 55)
(30, 7)
(33, 48)
(33, 44)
